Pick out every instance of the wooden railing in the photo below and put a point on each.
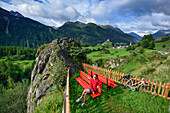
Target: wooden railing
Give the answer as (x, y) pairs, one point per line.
(161, 88)
(66, 102)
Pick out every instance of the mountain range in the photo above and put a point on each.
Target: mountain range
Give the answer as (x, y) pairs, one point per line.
(17, 30)
(161, 33)
(94, 34)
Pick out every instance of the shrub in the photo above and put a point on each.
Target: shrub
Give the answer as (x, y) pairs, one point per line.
(128, 48)
(163, 46)
(141, 51)
(59, 75)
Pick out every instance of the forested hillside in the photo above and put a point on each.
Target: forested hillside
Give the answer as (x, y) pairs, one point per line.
(21, 31)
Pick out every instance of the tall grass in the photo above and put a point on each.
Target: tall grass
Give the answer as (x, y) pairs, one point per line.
(51, 104)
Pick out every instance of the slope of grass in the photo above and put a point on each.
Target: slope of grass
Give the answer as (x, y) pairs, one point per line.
(114, 53)
(115, 100)
(51, 104)
(158, 46)
(24, 63)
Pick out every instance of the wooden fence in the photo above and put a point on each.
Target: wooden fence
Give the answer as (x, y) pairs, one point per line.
(66, 103)
(162, 89)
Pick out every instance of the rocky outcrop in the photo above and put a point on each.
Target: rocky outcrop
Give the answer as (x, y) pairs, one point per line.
(112, 63)
(47, 56)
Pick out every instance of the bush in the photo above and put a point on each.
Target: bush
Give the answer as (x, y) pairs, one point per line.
(141, 51)
(163, 46)
(128, 48)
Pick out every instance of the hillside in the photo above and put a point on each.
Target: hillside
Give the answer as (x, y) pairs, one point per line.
(15, 30)
(142, 62)
(93, 34)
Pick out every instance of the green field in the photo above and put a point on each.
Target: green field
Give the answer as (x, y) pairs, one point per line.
(24, 63)
(114, 53)
(159, 45)
(116, 100)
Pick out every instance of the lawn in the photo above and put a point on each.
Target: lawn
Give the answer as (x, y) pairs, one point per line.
(115, 100)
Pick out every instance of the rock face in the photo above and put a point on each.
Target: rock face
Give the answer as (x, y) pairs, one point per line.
(112, 63)
(46, 57)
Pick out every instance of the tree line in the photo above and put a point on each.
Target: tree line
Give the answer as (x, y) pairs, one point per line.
(18, 52)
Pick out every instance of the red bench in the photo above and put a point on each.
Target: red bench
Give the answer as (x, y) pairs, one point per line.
(107, 81)
(84, 81)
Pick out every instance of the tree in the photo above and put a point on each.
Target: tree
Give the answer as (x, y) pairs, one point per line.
(151, 45)
(148, 42)
(145, 44)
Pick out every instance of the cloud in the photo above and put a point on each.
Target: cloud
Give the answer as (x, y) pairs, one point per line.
(140, 16)
(56, 10)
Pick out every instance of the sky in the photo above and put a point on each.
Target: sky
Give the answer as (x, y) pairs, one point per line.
(139, 16)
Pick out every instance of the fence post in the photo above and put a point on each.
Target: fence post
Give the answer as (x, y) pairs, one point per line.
(155, 86)
(111, 71)
(163, 90)
(66, 103)
(152, 86)
(167, 90)
(116, 76)
(135, 81)
(148, 84)
(160, 84)
(138, 83)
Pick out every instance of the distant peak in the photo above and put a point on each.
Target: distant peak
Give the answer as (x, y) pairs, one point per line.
(15, 13)
(79, 23)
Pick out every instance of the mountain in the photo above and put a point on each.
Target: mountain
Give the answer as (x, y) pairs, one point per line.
(161, 33)
(17, 30)
(111, 28)
(94, 34)
(17, 14)
(135, 35)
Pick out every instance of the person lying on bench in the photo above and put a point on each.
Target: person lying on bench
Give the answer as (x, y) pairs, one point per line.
(94, 84)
